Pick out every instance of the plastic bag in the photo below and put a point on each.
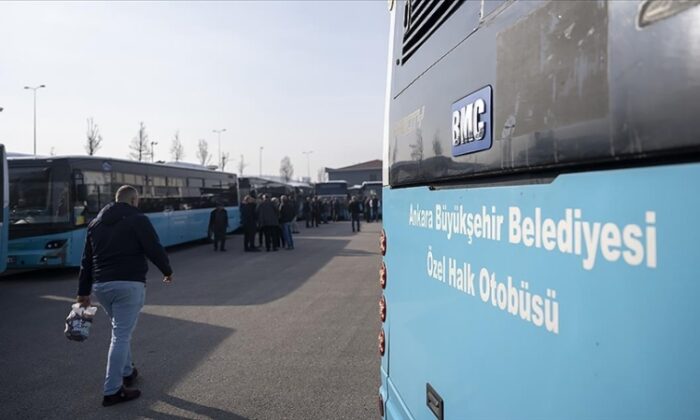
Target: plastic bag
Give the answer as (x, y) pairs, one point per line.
(79, 321)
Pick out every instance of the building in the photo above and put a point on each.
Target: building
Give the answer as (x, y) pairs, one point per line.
(358, 173)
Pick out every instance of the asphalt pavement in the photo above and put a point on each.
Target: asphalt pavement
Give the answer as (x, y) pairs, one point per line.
(278, 335)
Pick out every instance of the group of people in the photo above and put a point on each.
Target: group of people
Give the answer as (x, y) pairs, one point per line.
(316, 210)
(272, 219)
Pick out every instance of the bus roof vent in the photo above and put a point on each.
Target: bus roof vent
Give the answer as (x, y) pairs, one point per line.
(421, 19)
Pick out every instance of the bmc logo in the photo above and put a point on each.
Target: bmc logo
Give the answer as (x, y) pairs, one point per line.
(471, 123)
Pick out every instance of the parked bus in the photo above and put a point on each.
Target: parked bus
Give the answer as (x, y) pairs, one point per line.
(4, 225)
(53, 199)
(540, 230)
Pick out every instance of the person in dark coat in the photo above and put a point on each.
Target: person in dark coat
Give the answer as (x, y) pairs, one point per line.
(316, 211)
(374, 204)
(249, 223)
(355, 208)
(286, 217)
(218, 225)
(306, 211)
(269, 221)
(119, 242)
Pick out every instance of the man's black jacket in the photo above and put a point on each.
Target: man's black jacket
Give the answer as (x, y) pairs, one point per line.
(118, 242)
(248, 216)
(287, 212)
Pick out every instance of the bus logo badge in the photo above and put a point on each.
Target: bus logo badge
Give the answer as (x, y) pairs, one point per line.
(471, 123)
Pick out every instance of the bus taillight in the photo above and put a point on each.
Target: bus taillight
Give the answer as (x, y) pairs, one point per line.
(382, 308)
(382, 276)
(381, 406)
(381, 342)
(382, 242)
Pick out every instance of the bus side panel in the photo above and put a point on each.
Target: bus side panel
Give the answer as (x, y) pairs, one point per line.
(595, 319)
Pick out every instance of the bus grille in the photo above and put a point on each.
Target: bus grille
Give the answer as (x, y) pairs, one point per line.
(421, 19)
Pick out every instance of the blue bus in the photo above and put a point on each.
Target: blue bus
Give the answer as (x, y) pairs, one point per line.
(540, 243)
(4, 191)
(52, 199)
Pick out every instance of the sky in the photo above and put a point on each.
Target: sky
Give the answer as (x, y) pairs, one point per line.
(288, 76)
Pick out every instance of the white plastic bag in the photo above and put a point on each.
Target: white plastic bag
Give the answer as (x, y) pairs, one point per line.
(78, 322)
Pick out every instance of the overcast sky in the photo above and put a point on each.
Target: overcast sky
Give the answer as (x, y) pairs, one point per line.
(288, 76)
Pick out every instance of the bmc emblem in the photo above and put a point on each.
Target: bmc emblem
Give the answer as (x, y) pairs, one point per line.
(471, 123)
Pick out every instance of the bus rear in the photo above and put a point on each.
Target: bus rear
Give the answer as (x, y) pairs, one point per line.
(539, 256)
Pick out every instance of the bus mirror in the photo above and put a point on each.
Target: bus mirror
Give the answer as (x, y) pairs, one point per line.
(81, 192)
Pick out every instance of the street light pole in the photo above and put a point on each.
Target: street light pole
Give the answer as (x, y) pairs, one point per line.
(153, 151)
(219, 133)
(308, 165)
(35, 88)
(261, 149)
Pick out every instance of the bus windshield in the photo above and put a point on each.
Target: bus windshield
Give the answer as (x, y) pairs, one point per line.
(36, 198)
(331, 189)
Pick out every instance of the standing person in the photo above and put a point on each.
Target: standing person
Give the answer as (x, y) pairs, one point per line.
(259, 201)
(267, 216)
(374, 203)
(286, 218)
(218, 225)
(366, 209)
(354, 208)
(316, 211)
(114, 267)
(306, 211)
(277, 236)
(324, 211)
(249, 222)
(295, 205)
(332, 208)
(336, 210)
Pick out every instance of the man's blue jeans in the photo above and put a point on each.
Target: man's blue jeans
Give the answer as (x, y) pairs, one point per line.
(123, 301)
(287, 234)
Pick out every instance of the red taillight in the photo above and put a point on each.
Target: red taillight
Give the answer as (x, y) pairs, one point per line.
(382, 308)
(382, 242)
(382, 276)
(381, 343)
(381, 406)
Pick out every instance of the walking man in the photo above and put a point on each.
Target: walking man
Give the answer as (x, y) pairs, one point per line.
(114, 267)
(218, 225)
(355, 209)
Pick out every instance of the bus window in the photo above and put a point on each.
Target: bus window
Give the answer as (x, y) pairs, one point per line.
(36, 198)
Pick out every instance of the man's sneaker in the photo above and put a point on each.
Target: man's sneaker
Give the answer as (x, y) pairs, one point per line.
(129, 380)
(123, 395)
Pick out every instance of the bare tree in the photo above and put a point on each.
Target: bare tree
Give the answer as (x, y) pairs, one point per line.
(177, 150)
(94, 138)
(321, 175)
(241, 166)
(225, 158)
(140, 149)
(286, 169)
(417, 149)
(203, 155)
(437, 146)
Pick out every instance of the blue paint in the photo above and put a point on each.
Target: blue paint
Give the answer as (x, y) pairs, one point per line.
(173, 228)
(626, 343)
